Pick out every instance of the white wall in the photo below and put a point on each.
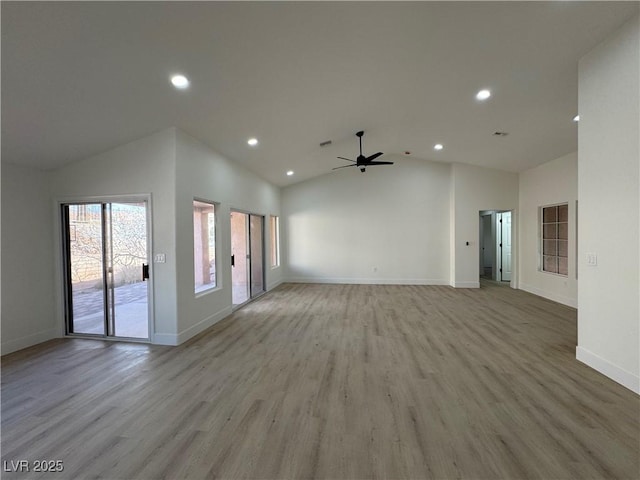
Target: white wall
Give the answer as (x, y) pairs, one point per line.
(204, 174)
(387, 225)
(145, 166)
(172, 168)
(608, 216)
(27, 265)
(551, 183)
(475, 189)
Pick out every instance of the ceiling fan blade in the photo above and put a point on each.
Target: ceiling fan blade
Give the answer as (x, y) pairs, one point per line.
(347, 159)
(378, 163)
(344, 166)
(374, 156)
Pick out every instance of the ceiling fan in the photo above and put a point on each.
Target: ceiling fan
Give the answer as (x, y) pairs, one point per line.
(363, 162)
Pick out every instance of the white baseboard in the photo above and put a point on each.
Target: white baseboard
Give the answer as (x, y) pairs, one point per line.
(568, 301)
(368, 281)
(273, 285)
(183, 336)
(170, 339)
(28, 340)
(465, 284)
(615, 373)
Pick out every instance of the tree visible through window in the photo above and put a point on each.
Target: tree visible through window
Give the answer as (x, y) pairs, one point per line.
(275, 240)
(204, 245)
(555, 239)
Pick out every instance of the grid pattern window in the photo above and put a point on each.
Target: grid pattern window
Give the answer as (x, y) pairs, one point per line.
(275, 240)
(80, 214)
(204, 245)
(555, 239)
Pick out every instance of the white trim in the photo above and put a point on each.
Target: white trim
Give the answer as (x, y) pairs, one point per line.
(568, 301)
(369, 281)
(117, 198)
(173, 339)
(29, 340)
(170, 339)
(273, 285)
(206, 291)
(466, 284)
(615, 373)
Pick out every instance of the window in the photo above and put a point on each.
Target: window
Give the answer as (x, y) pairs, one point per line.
(275, 240)
(555, 239)
(204, 245)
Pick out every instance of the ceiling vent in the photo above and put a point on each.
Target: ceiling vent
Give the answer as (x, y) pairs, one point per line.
(325, 144)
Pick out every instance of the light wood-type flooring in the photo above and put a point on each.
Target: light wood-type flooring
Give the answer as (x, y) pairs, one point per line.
(333, 382)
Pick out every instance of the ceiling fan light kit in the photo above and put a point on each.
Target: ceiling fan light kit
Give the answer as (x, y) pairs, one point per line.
(363, 162)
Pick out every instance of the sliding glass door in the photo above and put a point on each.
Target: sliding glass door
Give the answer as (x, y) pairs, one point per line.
(106, 269)
(247, 256)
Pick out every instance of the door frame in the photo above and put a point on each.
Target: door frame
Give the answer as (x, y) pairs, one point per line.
(61, 259)
(514, 282)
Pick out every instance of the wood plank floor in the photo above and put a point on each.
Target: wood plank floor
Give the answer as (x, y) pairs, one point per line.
(331, 381)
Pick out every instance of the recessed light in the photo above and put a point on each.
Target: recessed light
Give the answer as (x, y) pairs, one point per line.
(180, 81)
(252, 141)
(576, 118)
(290, 172)
(438, 146)
(483, 94)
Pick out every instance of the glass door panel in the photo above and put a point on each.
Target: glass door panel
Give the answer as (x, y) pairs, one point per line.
(128, 254)
(239, 258)
(85, 268)
(256, 229)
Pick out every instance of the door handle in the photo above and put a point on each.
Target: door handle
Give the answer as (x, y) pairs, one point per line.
(233, 260)
(145, 271)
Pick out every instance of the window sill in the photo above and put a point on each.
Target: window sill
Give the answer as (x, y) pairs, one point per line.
(205, 291)
(562, 275)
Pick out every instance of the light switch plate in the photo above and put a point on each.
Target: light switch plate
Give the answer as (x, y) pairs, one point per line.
(159, 258)
(592, 259)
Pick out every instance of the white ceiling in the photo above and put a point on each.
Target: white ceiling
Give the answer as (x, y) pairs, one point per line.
(81, 78)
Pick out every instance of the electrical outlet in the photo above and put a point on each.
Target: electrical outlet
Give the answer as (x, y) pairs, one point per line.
(159, 258)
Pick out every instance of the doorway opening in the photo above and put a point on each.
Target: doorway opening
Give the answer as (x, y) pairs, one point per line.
(247, 257)
(495, 245)
(106, 269)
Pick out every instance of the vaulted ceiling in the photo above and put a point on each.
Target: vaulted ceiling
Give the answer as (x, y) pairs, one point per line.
(79, 78)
